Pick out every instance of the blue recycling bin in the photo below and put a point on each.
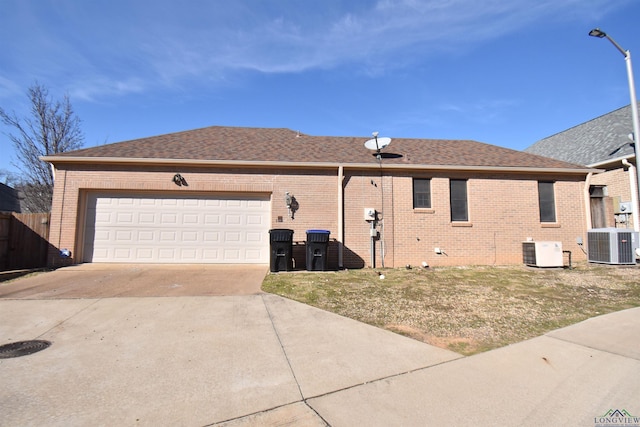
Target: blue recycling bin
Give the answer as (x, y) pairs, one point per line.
(281, 243)
(317, 244)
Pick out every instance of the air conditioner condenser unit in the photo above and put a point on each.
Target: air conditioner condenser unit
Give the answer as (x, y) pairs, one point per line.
(612, 245)
(542, 254)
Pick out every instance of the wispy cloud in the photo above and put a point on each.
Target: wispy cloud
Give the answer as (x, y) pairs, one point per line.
(97, 86)
(9, 88)
(484, 111)
(281, 43)
(106, 51)
(399, 25)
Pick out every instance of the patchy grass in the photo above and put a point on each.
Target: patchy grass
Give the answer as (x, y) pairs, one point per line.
(466, 309)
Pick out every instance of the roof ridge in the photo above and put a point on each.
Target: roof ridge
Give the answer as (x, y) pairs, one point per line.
(257, 145)
(583, 123)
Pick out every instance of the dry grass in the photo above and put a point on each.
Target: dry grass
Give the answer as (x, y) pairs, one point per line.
(466, 309)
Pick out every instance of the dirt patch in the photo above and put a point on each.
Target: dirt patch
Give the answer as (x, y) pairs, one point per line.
(453, 343)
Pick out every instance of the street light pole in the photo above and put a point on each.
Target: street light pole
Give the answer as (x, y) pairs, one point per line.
(634, 111)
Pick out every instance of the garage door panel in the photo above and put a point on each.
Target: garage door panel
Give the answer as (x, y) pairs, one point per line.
(174, 229)
(189, 236)
(232, 219)
(168, 202)
(191, 219)
(146, 236)
(166, 254)
(211, 254)
(211, 219)
(188, 254)
(231, 237)
(124, 217)
(254, 237)
(253, 255)
(124, 253)
(211, 237)
(255, 220)
(231, 255)
(168, 218)
(125, 236)
(146, 218)
(142, 254)
(101, 218)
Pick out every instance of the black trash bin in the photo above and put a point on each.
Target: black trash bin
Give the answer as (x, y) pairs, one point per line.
(281, 242)
(317, 244)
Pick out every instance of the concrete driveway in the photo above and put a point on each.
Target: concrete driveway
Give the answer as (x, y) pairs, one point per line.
(258, 359)
(139, 280)
(173, 360)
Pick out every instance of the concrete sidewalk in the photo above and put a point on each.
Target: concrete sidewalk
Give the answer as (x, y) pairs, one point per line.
(264, 360)
(569, 377)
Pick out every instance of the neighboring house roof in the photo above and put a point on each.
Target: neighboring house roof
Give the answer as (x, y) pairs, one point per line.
(9, 200)
(266, 146)
(603, 139)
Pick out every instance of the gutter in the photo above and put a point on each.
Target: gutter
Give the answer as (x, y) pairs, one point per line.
(587, 200)
(340, 217)
(634, 193)
(605, 163)
(306, 165)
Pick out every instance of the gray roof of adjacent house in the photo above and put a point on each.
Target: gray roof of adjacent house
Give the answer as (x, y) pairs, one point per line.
(279, 147)
(9, 200)
(597, 141)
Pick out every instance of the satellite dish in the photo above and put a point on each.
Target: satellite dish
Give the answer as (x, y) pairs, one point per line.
(377, 143)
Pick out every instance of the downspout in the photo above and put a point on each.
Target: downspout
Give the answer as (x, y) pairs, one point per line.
(634, 194)
(340, 217)
(52, 262)
(587, 200)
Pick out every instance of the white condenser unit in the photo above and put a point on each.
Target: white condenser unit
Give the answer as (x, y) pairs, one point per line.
(542, 254)
(612, 245)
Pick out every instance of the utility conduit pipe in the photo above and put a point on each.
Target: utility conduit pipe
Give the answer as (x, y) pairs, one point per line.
(634, 194)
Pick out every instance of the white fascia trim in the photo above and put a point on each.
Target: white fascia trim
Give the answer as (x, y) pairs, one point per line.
(611, 162)
(307, 165)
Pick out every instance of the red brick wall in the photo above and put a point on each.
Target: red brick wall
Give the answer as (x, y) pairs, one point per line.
(618, 186)
(503, 210)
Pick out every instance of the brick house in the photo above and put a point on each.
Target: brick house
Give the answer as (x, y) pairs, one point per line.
(601, 143)
(211, 195)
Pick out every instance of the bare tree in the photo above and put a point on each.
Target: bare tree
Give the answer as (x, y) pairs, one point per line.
(51, 128)
(8, 177)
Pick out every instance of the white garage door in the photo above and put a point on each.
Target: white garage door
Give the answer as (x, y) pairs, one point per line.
(177, 229)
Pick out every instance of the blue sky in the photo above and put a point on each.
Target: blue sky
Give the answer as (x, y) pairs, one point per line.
(504, 72)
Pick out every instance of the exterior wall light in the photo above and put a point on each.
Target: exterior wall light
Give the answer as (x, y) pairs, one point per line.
(179, 180)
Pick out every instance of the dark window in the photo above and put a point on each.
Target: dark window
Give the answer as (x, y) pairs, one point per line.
(597, 190)
(458, 195)
(421, 193)
(546, 201)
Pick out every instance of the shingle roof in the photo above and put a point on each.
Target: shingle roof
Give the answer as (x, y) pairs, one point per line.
(261, 145)
(9, 200)
(598, 140)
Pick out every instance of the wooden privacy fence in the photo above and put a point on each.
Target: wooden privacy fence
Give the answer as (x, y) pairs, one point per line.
(23, 240)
